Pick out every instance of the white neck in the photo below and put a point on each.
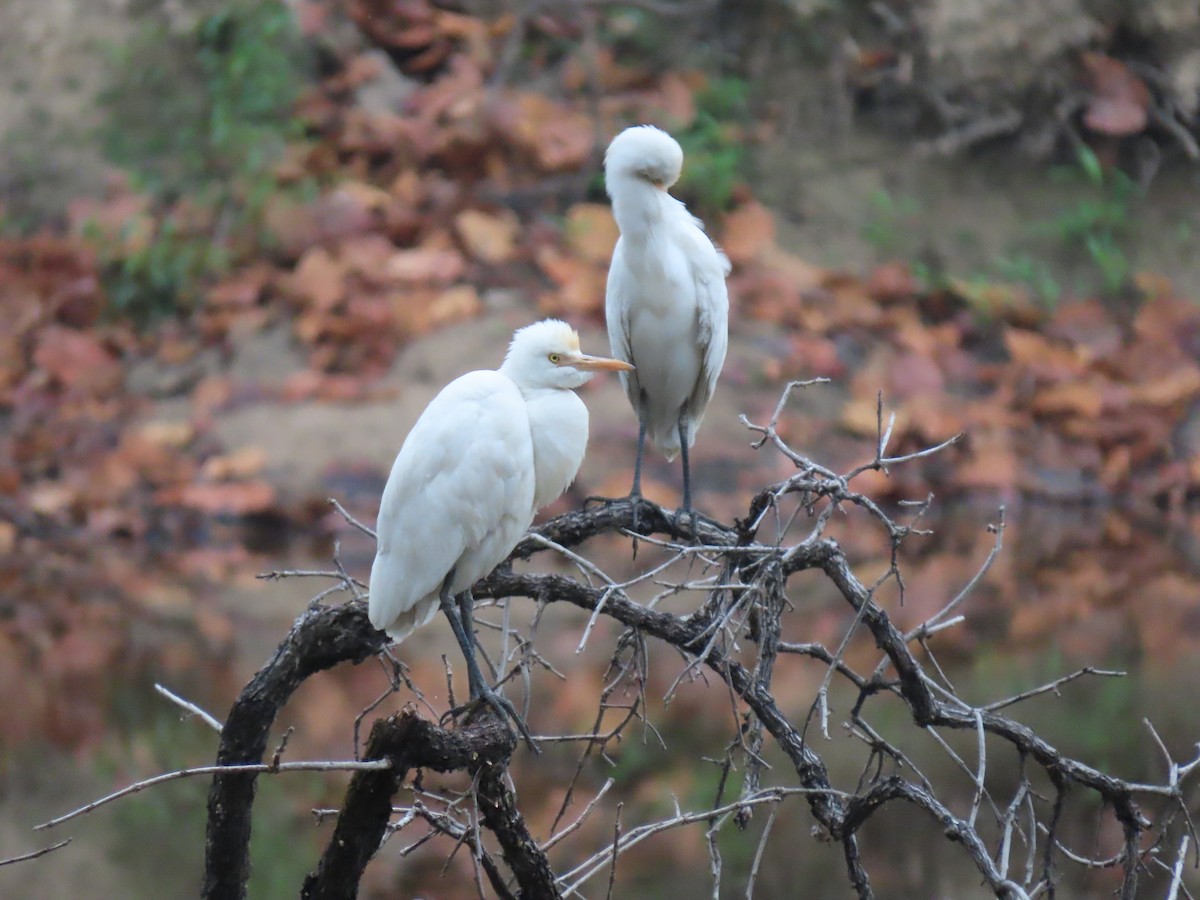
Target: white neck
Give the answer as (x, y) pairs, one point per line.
(637, 205)
(558, 423)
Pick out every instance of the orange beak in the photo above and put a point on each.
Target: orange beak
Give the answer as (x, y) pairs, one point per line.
(598, 363)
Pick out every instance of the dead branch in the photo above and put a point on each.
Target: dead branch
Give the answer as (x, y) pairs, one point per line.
(734, 639)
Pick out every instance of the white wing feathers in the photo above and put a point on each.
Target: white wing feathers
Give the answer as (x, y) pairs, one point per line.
(619, 297)
(712, 322)
(469, 456)
(646, 284)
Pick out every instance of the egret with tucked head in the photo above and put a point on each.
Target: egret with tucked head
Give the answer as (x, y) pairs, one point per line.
(666, 304)
(490, 450)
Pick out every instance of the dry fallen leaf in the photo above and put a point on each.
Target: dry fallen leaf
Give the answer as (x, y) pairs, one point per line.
(488, 237)
(1083, 397)
(1169, 390)
(427, 264)
(229, 498)
(1119, 100)
(580, 284)
(243, 463)
(75, 359)
(455, 304)
(557, 137)
(319, 279)
(592, 232)
(747, 232)
(1044, 357)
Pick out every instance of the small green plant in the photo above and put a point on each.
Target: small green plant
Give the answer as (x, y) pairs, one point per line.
(890, 226)
(202, 117)
(1096, 225)
(1035, 274)
(714, 146)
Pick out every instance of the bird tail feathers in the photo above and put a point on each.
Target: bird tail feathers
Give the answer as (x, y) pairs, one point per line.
(667, 439)
(412, 619)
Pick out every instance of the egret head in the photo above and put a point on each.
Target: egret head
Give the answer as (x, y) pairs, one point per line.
(546, 355)
(645, 153)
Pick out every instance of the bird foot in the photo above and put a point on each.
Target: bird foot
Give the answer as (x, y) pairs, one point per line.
(503, 707)
(682, 515)
(635, 500)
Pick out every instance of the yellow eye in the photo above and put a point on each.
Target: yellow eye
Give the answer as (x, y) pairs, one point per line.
(555, 357)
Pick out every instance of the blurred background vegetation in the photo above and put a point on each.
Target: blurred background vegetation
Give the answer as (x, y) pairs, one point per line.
(241, 244)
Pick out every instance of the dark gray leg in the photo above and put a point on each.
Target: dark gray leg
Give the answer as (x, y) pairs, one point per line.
(635, 495)
(466, 641)
(464, 633)
(683, 452)
(466, 607)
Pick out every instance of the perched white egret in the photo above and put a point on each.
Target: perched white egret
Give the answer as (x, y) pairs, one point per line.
(666, 304)
(490, 450)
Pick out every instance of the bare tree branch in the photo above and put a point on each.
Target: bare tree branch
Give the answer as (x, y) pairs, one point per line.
(735, 639)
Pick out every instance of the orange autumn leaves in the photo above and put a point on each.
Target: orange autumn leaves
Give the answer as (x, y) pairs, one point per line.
(457, 191)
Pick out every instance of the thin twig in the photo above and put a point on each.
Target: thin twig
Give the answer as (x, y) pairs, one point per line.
(315, 766)
(192, 708)
(35, 854)
(370, 532)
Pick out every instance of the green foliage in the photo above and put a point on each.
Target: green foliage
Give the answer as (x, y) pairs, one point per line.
(1088, 238)
(161, 276)
(1094, 227)
(187, 112)
(203, 115)
(714, 147)
(890, 228)
(1023, 268)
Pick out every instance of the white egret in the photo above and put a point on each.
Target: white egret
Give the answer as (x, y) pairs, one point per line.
(666, 304)
(490, 450)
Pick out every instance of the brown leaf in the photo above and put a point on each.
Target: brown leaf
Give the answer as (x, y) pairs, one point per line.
(1169, 390)
(427, 264)
(676, 100)
(1119, 99)
(366, 256)
(801, 275)
(1088, 324)
(229, 498)
(364, 195)
(75, 359)
(747, 232)
(488, 237)
(243, 463)
(50, 498)
(892, 283)
(592, 232)
(455, 304)
(1165, 618)
(164, 434)
(912, 374)
(860, 417)
(319, 280)
(1083, 397)
(1044, 357)
(991, 462)
(1012, 303)
(580, 284)
(557, 137)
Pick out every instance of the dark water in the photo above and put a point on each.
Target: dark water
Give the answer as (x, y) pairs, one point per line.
(1071, 588)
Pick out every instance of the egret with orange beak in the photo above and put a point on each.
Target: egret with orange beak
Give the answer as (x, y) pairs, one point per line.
(489, 451)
